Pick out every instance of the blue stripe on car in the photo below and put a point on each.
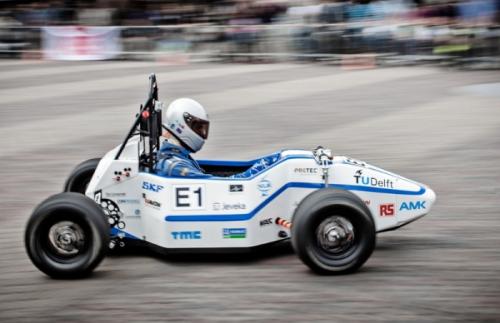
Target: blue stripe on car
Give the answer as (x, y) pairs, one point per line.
(115, 232)
(248, 216)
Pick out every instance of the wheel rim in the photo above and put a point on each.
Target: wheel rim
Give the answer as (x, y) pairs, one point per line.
(66, 239)
(335, 236)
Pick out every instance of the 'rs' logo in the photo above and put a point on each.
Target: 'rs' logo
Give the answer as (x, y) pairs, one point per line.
(387, 209)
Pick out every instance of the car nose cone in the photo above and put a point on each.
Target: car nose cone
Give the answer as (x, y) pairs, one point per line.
(429, 196)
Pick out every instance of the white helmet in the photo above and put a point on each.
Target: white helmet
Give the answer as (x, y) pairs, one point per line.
(188, 121)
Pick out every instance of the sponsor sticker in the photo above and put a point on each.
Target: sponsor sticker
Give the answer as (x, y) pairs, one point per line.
(266, 221)
(235, 188)
(151, 187)
(264, 186)
(372, 181)
(186, 235)
(234, 233)
(412, 205)
(306, 170)
(150, 202)
(114, 194)
(221, 206)
(386, 209)
(127, 201)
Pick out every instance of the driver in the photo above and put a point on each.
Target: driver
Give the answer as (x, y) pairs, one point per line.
(186, 123)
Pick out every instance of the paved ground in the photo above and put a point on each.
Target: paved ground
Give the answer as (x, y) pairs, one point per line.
(436, 126)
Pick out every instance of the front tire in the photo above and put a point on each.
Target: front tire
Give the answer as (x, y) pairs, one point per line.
(333, 232)
(67, 236)
(80, 177)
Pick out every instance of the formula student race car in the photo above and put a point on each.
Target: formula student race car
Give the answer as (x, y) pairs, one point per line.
(331, 207)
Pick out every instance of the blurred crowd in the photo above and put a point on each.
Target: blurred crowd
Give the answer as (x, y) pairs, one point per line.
(137, 12)
(155, 12)
(313, 28)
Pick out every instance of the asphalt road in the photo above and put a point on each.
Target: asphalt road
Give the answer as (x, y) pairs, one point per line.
(440, 127)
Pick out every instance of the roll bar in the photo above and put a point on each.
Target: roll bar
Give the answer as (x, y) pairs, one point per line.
(148, 124)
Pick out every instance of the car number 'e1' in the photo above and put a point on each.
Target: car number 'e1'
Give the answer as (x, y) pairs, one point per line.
(188, 197)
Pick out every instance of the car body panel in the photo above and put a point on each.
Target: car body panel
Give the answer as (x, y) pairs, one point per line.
(220, 212)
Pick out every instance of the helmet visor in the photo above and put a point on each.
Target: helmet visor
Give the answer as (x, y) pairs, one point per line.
(199, 126)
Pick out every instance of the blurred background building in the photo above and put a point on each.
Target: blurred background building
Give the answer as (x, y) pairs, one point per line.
(464, 33)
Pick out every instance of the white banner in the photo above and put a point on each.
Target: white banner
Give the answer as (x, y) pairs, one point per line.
(79, 43)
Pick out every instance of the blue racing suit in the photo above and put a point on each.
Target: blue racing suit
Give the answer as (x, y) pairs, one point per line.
(175, 161)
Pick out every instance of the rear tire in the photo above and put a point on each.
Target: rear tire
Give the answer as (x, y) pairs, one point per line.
(67, 236)
(80, 177)
(333, 232)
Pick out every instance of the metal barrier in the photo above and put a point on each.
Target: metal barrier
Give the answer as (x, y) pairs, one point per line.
(340, 43)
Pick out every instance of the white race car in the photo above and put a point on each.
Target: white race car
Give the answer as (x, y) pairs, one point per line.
(330, 206)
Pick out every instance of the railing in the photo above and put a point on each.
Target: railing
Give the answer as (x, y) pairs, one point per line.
(396, 43)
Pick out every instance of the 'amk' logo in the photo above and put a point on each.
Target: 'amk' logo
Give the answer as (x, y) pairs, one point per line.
(152, 187)
(408, 206)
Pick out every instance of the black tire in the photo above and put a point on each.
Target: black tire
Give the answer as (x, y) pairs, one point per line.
(51, 219)
(80, 177)
(310, 217)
